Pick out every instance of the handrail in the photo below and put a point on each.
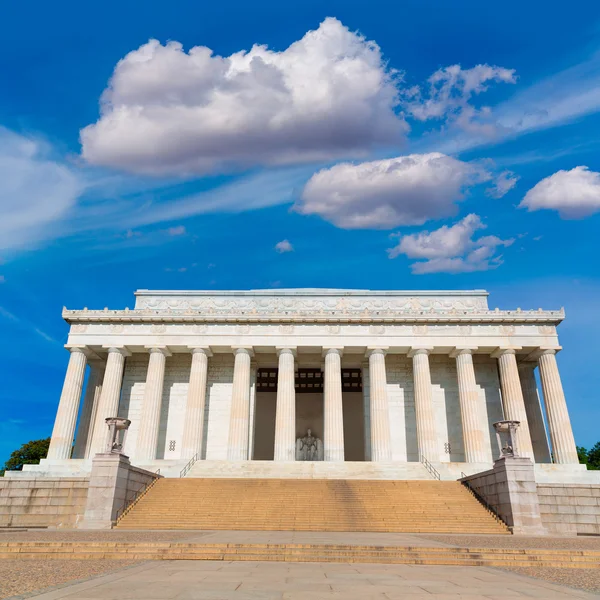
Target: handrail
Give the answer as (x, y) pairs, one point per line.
(481, 499)
(432, 470)
(190, 464)
(129, 503)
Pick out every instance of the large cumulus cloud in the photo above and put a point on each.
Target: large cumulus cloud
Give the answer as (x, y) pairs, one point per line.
(167, 111)
(383, 194)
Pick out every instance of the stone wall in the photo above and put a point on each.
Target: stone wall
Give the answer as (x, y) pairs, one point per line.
(42, 502)
(569, 509)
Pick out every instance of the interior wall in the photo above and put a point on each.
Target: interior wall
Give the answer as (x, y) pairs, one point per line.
(217, 408)
(264, 426)
(174, 401)
(354, 432)
(490, 400)
(309, 414)
(132, 396)
(444, 383)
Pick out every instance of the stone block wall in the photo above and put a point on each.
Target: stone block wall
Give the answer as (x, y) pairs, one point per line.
(570, 509)
(42, 502)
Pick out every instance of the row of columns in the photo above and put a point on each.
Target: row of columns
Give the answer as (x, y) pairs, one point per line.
(519, 395)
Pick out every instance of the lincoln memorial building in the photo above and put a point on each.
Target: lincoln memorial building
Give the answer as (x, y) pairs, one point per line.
(312, 382)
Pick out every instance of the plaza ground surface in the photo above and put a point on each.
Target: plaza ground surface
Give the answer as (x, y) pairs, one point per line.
(121, 579)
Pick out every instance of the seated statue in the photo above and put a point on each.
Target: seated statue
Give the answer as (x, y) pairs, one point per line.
(309, 447)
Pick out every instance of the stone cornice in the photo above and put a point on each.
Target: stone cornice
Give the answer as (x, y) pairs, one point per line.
(359, 317)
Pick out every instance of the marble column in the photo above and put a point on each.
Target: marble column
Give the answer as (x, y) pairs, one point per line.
(239, 423)
(533, 408)
(426, 431)
(381, 447)
(61, 442)
(333, 414)
(472, 419)
(89, 409)
(147, 440)
(561, 433)
(285, 412)
(512, 399)
(193, 427)
(108, 405)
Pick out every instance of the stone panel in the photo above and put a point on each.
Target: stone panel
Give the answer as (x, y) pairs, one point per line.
(218, 406)
(570, 509)
(170, 432)
(43, 502)
(401, 402)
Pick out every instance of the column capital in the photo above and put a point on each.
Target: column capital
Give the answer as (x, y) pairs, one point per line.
(377, 350)
(420, 350)
(286, 350)
(123, 350)
(90, 354)
(201, 350)
(158, 349)
(243, 350)
(535, 354)
(458, 350)
(339, 350)
(498, 352)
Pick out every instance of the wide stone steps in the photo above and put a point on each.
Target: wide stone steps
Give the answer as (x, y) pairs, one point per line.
(331, 553)
(310, 505)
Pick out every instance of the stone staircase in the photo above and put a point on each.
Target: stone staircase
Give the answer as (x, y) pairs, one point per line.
(323, 553)
(310, 505)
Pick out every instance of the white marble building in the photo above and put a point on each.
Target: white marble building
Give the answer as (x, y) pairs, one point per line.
(383, 378)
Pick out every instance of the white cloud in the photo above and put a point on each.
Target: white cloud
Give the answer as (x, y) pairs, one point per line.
(328, 95)
(34, 190)
(503, 183)
(177, 230)
(284, 246)
(574, 194)
(450, 92)
(550, 102)
(382, 194)
(451, 249)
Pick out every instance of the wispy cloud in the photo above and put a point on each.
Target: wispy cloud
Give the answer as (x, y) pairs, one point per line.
(551, 102)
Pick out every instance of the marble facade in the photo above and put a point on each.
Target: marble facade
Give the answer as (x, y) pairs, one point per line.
(432, 371)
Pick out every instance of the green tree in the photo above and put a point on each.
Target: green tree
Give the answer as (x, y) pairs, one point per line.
(28, 454)
(594, 457)
(582, 455)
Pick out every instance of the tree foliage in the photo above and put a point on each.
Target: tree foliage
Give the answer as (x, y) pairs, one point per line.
(591, 458)
(28, 454)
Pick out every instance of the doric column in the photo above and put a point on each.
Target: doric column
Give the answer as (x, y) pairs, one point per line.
(381, 447)
(147, 440)
(473, 423)
(239, 422)
(193, 427)
(285, 415)
(512, 399)
(533, 408)
(561, 433)
(333, 414)
(109, 398)
(63, 433)
(88, 410)
(425, 414)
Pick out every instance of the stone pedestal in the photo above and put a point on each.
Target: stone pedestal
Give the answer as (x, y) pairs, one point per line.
(113, 483)
(510, 489)
(107, 491)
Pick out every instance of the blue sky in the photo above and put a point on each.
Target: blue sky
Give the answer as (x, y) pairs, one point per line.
(409, 145)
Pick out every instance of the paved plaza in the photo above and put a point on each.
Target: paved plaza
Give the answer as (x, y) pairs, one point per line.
(216, 580)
